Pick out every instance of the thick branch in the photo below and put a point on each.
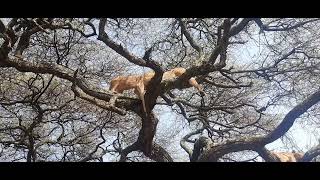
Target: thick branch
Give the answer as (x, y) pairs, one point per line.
(68, 74)
(147, 132)
(199, 147)
(152, 89)
(267, 155)
(312, 153)
(289, 119)
(223, 42)
(102, 104)
(158, 154)
(186, 138)
(257, 143)
(127, 150)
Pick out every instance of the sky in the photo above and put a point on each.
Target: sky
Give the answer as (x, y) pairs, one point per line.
(303, 137)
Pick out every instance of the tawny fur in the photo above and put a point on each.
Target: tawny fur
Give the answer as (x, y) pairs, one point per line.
(288, 156)
(138, 83)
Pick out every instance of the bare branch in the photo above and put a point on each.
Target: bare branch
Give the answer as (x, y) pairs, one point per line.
(288, 28)
(227, 86)
(189, 38)
(118, 47)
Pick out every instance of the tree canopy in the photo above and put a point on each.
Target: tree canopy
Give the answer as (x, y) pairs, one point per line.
(260, 77)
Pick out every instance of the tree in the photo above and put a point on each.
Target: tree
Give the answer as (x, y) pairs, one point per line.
(259, 76)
